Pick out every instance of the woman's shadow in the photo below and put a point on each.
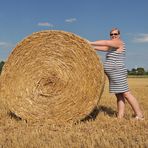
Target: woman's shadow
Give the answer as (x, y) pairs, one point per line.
(98, 109)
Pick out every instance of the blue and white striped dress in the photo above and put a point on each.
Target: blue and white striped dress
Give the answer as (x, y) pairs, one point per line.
(116, 71)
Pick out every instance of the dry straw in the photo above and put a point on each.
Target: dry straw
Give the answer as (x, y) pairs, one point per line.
(52, 75)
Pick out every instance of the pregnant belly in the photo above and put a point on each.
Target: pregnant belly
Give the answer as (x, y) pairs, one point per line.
(112, 64)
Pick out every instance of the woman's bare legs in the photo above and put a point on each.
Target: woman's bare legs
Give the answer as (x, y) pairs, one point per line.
(134, 103)
(120, 105)
(131, 100)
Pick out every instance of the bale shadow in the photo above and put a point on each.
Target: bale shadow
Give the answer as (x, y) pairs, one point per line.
(14, 116)
(92, 116)
(98, 109)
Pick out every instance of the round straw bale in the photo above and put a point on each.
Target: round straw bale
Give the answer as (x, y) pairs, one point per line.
(53, 75)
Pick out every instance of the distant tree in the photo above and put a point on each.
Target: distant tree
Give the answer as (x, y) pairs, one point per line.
(1, 66)
(140, 71)
(128, 71)
(146, 73)
(132, 72)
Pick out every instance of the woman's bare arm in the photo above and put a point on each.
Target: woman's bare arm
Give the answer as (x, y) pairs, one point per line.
(110, 43)
(101, 48)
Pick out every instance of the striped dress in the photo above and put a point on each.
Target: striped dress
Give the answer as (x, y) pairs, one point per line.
(116, 71)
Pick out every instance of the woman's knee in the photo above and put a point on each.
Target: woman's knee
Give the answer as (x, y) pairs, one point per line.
(127, 94)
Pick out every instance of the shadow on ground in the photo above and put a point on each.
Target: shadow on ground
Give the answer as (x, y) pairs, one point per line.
(99, 109)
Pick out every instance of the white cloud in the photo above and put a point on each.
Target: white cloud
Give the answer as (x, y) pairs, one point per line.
(45, 24)
(5, 45)
(141, 38)
(70, 20)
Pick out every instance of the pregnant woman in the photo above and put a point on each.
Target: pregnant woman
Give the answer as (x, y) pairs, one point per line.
(116, 71)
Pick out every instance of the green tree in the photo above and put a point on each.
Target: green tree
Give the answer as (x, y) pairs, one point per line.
(133, 71)
(146, 72)
(140, 71)
(1, 66)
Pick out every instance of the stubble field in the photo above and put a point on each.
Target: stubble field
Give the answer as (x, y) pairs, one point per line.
(103, 130)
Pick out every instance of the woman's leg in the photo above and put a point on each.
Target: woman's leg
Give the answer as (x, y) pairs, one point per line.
(120, 105)
(134, 104)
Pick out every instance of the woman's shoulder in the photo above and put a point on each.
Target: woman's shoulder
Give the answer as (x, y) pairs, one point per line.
(121, 43)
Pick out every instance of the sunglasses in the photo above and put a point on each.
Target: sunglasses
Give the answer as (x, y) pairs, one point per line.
(114, 34)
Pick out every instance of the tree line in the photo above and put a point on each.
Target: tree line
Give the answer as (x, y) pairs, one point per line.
(137, 71)
(134, 71)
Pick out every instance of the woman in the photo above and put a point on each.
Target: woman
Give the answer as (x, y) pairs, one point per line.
(116, 71)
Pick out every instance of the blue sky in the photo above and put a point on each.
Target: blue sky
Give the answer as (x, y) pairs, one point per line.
(90, 19)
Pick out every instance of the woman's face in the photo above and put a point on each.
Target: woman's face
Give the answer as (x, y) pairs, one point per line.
(114, 34)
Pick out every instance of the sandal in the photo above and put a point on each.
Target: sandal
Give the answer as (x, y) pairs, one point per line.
(139, 118)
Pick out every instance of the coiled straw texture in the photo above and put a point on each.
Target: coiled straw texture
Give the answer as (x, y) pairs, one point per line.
(52, 75)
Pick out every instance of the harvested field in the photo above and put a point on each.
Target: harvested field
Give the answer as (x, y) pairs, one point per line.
(105, 131)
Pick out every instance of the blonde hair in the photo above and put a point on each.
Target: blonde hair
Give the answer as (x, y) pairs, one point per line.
(113, 29)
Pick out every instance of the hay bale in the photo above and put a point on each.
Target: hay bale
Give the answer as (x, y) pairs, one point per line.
(53, 75)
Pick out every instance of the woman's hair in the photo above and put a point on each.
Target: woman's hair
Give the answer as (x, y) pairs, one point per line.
(115, 29)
